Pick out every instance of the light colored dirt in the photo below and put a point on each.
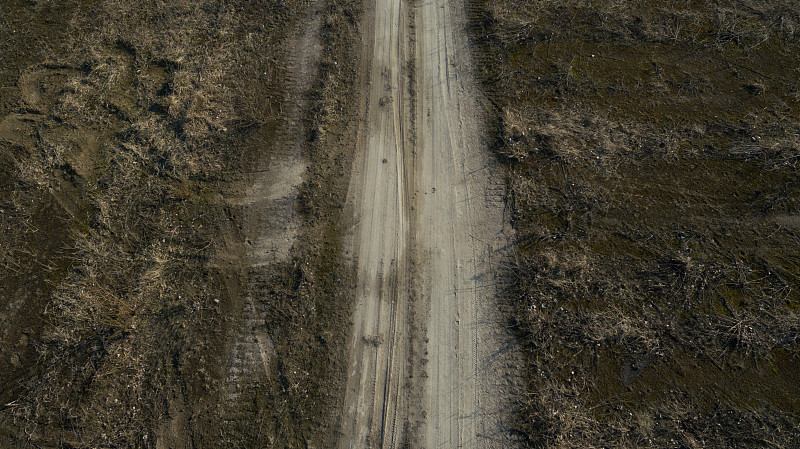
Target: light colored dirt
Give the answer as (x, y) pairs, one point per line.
(374, 402)
(429, 362)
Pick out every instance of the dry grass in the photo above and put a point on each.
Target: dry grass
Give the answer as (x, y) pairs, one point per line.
(717, 22)
(651, 162)
(133, 143)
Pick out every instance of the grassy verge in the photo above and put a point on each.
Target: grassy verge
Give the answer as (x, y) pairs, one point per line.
(651, 155)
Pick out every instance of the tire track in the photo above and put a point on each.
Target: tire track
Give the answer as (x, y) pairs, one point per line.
(424, 205)
(373, 399)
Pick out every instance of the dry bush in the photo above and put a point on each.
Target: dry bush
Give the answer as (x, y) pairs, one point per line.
(559, 419)
(575, 136)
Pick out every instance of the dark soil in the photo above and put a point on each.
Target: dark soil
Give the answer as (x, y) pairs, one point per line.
(651, 155)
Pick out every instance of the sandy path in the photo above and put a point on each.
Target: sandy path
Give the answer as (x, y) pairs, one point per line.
(373, 401)
(429, 221)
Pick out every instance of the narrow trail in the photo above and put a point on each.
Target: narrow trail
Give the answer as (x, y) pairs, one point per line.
(428, 358)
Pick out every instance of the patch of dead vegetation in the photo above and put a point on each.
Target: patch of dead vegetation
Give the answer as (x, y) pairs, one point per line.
(129, 130)
(651, 161)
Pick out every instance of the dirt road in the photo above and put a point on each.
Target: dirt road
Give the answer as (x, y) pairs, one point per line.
(374, 401)
(426, 359)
